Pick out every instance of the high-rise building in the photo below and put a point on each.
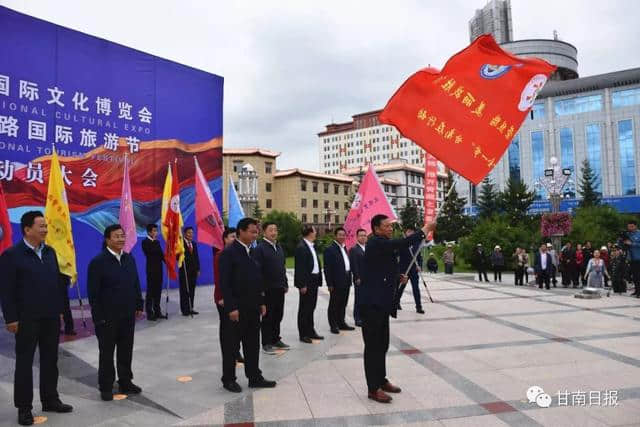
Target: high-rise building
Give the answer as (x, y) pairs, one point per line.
(494, 19)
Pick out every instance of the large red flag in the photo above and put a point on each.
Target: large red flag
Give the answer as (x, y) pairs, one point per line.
(172, 223)
(5, 224)
(467, 114)
(369, 201)
(208, 218)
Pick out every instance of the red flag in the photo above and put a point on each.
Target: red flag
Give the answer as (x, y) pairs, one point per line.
(467, 115)
(369, 201)
(172, 223)
(5, 224)
(208, 219)
(430, 190)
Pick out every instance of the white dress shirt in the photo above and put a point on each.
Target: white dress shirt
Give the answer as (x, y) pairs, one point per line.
(273, 244)
(316, 265)
(245, 246)
(345, 257)
(543, 260)
(37, 250)
(115, 254)
(362, 246)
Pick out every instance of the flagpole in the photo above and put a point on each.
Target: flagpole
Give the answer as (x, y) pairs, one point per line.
(84, 322)
(423, 243)
(186, 282)
(166, 305)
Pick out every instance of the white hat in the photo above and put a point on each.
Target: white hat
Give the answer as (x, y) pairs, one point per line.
(497, 247)
(549, 245)
(604, 248)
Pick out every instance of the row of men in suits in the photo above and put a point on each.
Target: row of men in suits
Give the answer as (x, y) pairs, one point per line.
(32, 304)
(188, 273)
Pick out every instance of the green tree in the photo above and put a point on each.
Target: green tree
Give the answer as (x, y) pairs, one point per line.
(587, 186)
(488, 200)
(516, 200)
(289, 229)
(597, 224)
(410, 215)
(452, 223)
(257, 212)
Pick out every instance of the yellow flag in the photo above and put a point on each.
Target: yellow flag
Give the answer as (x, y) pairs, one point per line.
(167, 192)
(56, 213)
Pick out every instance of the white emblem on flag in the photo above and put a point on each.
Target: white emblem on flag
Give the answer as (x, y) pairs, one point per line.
(530, 91)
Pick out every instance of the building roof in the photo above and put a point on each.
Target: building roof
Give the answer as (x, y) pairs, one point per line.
(249, 151)
(591, 83)
(387, 167)
(310, 174)
(390, 181)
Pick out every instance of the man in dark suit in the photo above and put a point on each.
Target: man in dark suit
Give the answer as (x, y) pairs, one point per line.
(337, 274)
(116, 300)
(406, 256)
(480, 262)
(243, 294)
(307, 278)
(356, 258)
(378, 300)
(271, 259)
(155, 257)
(31, 306)
(543, 266)
(189, 273)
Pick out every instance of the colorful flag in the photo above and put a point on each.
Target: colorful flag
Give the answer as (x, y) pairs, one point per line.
(127, 220)
(467, 114)
(166, 198)
(56, 214)
(5, 224)
(430, 190)
(208, 218)
(236, 213)
(369, 201)
(172, 223)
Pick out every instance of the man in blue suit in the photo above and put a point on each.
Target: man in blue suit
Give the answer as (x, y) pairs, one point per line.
(378, 300)
(543, 266)
(337, 274)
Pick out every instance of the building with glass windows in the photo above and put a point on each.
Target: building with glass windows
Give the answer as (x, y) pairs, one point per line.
(595, 118)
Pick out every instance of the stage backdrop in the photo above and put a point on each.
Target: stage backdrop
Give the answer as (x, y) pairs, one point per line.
(96, 102)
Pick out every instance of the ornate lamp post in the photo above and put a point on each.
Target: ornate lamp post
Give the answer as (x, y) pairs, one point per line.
(248, 188)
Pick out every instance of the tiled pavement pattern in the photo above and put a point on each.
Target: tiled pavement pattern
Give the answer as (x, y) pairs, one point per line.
(468, 362)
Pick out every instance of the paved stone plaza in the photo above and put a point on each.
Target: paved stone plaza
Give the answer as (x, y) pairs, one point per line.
(468, 362)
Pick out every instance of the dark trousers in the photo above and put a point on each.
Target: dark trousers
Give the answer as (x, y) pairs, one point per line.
(415, 288)
(482, 272)
(526, 274)
(115, 336)
(497, 273)
(570, 276)
(221, 331)
(187, 293)
(245, 331)
(274, 299)
(154, 294)
(336, 312)
(356, 303)
(375, 333)
(44, 334)
(519, 275)
(635, 275)
(554, 271)
(306, 307)
(543, 278)
(448, 268)
(66, 308)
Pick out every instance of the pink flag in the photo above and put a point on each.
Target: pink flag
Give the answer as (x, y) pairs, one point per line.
(127, 220)
(369, 202)
(430, 190)
(208, 218)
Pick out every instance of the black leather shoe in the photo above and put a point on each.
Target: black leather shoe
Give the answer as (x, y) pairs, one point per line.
(346, 327)
(306, 340)
(335, 330)
(233, 387)
(315, 336)
(152, 318)
(162, 316)
(129, 388)
(282, 345)
(25, 417)
(419, 310)
(106, 396)
(186, 314)
(359, 324)
(260, 382)
(194, 312)
(57, 406)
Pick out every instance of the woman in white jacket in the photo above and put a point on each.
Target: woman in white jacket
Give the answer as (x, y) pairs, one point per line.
(596, 271)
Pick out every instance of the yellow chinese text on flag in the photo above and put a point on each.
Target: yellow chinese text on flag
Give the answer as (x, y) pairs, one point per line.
(56, 214)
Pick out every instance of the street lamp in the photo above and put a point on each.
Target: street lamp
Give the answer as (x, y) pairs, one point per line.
(328, 215)
(553, 181)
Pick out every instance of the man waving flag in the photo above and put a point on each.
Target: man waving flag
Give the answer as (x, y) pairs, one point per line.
(467, 114)
(172, 223)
